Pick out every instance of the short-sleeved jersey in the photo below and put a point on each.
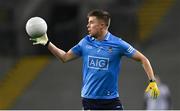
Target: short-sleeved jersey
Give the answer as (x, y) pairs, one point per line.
(101, 65)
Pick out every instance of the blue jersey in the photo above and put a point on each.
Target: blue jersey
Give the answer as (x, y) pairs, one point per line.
(101, 65)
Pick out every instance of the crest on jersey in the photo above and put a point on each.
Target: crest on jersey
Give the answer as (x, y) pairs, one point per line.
(110, 49)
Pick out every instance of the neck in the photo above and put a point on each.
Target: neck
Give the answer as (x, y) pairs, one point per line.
(101, 35)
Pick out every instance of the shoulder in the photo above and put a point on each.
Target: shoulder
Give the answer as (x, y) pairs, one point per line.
(84, 39)
(118, 40)
(114, 38)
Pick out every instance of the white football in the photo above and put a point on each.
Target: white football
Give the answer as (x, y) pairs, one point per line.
(36, 27)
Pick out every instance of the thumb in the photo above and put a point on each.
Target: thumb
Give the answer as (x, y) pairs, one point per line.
(35, 43)
(147, 89)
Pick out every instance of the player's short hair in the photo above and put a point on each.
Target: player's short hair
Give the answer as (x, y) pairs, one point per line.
(101, 14)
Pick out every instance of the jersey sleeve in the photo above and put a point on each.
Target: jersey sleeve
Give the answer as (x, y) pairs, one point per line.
(77, 49)
(128, 50)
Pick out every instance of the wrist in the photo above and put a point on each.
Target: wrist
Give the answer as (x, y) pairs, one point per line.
(152, 80)
(46, 45)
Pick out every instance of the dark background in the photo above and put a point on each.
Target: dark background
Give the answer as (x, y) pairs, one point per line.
(151, 26)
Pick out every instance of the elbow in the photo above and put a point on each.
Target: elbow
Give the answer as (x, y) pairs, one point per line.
(140, 58)
(144, 60)
(61, 58)
(64, 59)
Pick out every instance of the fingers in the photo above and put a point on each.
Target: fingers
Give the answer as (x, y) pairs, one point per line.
(35, 43)
(158, 92)
(154, 94)
(33, 39)
(153, 90)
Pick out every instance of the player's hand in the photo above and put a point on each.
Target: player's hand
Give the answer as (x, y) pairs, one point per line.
(153, 90)
(40, 40)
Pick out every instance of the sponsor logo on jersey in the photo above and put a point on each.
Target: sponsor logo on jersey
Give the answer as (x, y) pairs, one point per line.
(98, 62)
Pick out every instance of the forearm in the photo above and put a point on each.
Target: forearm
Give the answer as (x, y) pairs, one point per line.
(145, 63)
(148, 68)
(60, 54)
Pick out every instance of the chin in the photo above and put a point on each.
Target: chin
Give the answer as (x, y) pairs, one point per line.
(93, 35)
(90, 34)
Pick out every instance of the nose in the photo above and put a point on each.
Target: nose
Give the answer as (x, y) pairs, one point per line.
(87, 25)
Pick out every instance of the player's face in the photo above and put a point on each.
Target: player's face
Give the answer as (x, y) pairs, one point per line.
(94, 26)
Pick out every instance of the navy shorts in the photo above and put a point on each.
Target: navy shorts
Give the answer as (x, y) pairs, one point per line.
(102, 104)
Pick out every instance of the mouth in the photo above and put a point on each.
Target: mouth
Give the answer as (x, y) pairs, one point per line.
(89, 31)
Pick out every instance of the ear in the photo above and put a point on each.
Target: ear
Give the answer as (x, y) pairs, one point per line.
(103, 24)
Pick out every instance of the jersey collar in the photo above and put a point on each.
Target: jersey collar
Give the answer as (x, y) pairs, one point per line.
(107, 36)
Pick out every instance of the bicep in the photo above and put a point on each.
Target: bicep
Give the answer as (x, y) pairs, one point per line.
(70, 55)
(138, 56)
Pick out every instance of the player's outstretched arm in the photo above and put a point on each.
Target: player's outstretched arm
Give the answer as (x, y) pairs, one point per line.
(59, 53)
(152, 87)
